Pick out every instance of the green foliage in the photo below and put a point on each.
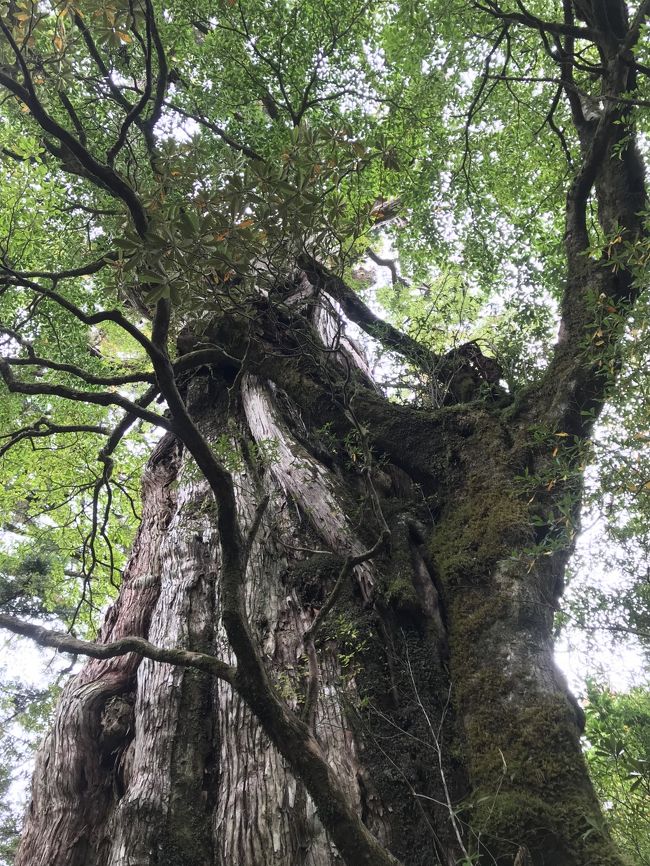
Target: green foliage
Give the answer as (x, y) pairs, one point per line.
(351, 641)
(25, 715)
(617, 736)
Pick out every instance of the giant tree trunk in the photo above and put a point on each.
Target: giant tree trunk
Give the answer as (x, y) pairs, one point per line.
(446, 726)
(440, 709)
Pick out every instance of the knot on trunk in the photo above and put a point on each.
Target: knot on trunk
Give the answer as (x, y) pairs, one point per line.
(116, 723)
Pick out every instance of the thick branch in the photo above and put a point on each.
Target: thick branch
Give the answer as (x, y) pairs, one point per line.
(163, 70)
(82, 271)
(79, 372)
(585, 358)
(386, 263)
(104, 175)
(358, 312)
(531, 21)
(96, 397)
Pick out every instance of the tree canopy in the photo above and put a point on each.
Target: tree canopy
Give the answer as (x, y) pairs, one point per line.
(435, 170)
(278, 127)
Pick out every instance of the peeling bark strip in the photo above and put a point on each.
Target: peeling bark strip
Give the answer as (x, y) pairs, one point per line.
(263, 814)
(250, 808)
(304, 479)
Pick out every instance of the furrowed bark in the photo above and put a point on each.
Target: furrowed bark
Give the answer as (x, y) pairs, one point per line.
(285, 729)
(78, 762)
(194, 775)
(520, 726)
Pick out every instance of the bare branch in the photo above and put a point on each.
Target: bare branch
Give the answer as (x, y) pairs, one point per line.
(73, 370)
(550, 120)
(386, 263)
(163, 70)
(74, 117)
(96, 397)
(87, 318)
(55, 276)
(44, 428)
(218, 130)
(531, 21)
(115, 91)
(635, 26)
(68, 644)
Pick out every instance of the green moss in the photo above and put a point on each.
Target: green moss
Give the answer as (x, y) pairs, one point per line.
(396, 587)
(400, 668)
(510, 741)
(563, 834)
(483, 514)
(400, 594)
(313, 578)
(530, 783)
(477, 531)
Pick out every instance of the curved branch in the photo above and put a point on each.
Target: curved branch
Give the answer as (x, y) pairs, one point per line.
(80, 373)
(386, 263)
(55, 276)
(15, 386)
(531, 21)
(163, 70)
(116, 93)
(635, 26)
(102, 175)
(223, 135)
(114, 316)
(43, 428)
(68, 644)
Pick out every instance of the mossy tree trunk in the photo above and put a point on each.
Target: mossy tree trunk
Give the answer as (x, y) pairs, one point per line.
(440, 711)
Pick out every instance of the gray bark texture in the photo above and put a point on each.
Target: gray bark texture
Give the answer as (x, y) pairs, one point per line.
(157, 764)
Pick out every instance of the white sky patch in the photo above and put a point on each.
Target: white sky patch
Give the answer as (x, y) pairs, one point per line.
(171, 126)
(613, 658)
(375, 57)
(618, 665)
(35, 668)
